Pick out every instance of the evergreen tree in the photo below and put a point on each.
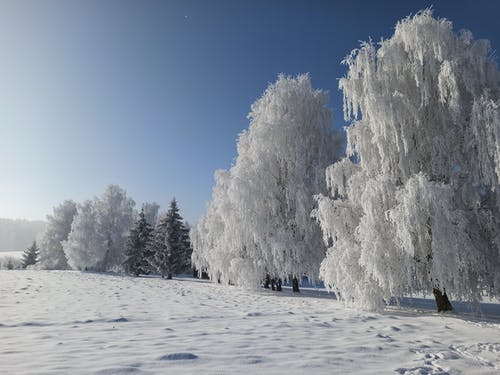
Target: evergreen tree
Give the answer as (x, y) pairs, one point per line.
(138, 245)
(170, 240)
(187, 248)
(30, 255)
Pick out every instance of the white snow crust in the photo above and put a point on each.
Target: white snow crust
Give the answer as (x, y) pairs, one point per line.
(68, 322)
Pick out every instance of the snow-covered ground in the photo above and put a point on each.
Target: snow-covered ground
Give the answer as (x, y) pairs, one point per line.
(13, 254)
(72, 322)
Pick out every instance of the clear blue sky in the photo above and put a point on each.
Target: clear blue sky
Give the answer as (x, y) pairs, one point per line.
(151, 95)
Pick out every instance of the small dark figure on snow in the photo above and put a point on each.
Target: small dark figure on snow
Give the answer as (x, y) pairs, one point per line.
(267, 281)
(278, 286)
(442, 301)
(295, 284)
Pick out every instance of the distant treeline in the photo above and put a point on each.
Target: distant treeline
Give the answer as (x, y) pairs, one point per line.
(17, 235)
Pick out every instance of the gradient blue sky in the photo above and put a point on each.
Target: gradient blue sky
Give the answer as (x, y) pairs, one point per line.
(151, 95)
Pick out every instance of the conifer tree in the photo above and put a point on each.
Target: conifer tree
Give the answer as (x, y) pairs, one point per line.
(138, 246)
(170, 243)
(30, 255)
(187, 248)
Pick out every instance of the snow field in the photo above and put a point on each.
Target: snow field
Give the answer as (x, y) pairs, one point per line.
(62, 322)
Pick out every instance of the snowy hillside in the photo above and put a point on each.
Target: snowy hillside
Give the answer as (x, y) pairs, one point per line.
(70, 322)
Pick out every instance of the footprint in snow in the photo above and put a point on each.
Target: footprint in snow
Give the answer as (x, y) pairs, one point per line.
(254, 314)
(118, 320)
(178, 356)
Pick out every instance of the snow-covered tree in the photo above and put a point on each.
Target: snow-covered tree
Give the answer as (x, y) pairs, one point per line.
(6, 260)
(211, 252)
(115, 215)
(415, 204)
(186, 245)
(139, 245)
(87, 245)
(30, 255)
(57, 230)
(98, 236)
(258, 221)
(151, 210)
(171, 254)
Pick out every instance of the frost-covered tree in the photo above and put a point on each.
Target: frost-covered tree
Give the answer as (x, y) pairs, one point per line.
(258, 221)
(30, 255)
(415, 204)
(151, 210)
(98, 236)
(87, 245)
(140, 241)
(57, 230)
(115, 215)
(8, 261)
(211, 251)
(171, 251)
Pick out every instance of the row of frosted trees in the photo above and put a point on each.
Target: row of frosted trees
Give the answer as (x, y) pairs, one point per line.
(413, 206)
(105, 234)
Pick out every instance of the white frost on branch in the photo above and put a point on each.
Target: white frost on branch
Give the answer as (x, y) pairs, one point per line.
(258, 220)
(415, 205)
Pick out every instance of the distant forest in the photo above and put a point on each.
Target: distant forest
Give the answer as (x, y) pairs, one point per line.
(17, 235)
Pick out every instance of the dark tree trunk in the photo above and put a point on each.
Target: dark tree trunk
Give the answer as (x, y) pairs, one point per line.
(195, 273)
(273, 284)
(267, 281)
(278, 286)
(442, 301)
(295, 284)
(169, 276)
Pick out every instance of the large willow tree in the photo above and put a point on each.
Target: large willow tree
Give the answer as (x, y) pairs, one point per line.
(415, 204)
(258, 221)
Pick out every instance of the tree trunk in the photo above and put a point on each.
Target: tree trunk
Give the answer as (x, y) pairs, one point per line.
(273, 284)
(267, 281)
(442, 301)
(295, 284)
(169, 276)
(278, 286)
